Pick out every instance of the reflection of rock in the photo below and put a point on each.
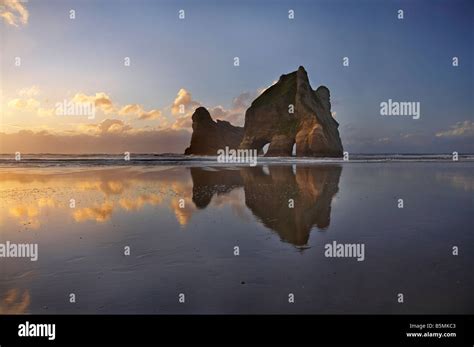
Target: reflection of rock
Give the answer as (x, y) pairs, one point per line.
(210, 136)
(291, 112)
(206, 183)
(312, 190)
(268, 195)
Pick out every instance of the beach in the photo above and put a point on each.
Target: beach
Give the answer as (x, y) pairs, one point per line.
(238, 239)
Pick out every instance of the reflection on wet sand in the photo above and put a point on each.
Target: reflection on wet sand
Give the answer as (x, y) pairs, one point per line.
(15, 301)
(28, 197)
(270, 191)
(208, 182)
(311, 189)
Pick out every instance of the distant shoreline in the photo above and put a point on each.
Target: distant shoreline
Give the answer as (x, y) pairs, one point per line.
(2, 155)
(62, 160)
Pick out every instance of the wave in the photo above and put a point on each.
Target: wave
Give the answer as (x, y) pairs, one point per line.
(45, 160)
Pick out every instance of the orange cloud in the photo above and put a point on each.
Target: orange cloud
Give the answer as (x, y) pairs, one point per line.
(24, 104)
(235, 114)
(130, 109)
(27, 102)
(29, 91)
(14, 12)
(183, 103)
(101, 100)
(183, 107)
(153, 114)
(114, 126)
(137, 110)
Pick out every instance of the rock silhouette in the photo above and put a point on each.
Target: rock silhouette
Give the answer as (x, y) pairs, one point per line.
(209, 136)
(291, 112)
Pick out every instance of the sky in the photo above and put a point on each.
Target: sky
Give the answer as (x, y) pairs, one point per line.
(190, 62)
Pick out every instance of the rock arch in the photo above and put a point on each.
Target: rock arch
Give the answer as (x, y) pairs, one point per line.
(311, 125)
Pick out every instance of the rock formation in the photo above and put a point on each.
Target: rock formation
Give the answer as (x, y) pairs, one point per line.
(292, 112)
(209, 136)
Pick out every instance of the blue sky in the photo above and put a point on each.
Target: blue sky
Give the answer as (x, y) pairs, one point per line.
(404, 60)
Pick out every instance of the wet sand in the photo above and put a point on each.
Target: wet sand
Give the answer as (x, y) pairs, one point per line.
(189, 248)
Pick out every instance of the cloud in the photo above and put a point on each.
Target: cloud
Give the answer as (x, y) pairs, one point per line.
(27, 102)
(115, 126)
(460, 129)
(14, 12)
(109, 136)
(101, 100)
(24, 104)
(183, 107)
(153, 114)
(29, 92)
(183, 123)
(236, 114)
(45, 112)
(130, 109)
(243, 100)
(184, 104)
(110, 132)
(137, 110)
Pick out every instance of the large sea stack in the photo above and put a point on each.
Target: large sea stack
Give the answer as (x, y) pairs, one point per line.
(210, 136)
(292, 112)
